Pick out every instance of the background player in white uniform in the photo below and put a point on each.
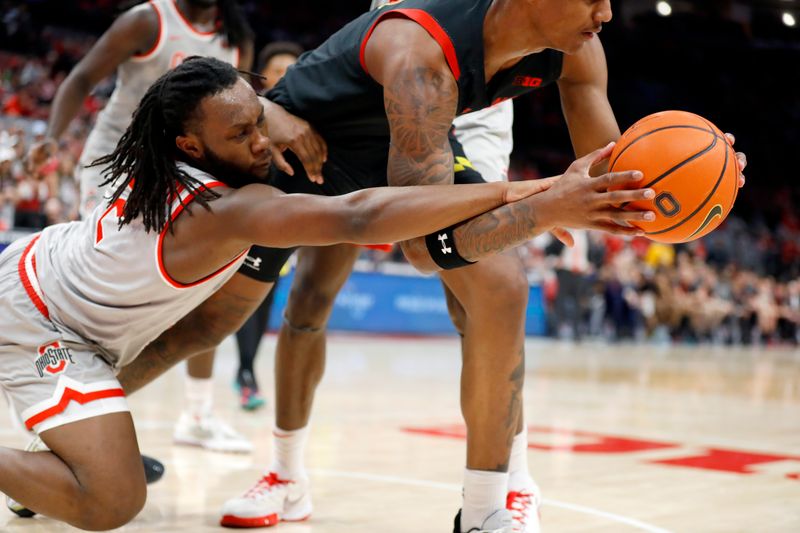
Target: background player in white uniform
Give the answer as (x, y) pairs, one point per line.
(141, 45)
(487, 138)
(82, 298)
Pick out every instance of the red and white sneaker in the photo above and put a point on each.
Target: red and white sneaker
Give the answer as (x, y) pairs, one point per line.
(524, 506)
(268, 502)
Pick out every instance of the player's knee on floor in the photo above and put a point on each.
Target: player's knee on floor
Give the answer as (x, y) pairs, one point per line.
(110, 505)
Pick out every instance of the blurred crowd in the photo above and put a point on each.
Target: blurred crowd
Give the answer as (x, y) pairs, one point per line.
(28, 84)
(607, 287)
(741, 284)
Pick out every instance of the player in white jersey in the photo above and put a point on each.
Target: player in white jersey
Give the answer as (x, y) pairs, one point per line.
(141, 45)
(487, 139)
(81, 299)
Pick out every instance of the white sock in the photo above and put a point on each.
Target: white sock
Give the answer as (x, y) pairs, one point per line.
(518, 476)
(289, 451)
(484, 493)
(199, 396)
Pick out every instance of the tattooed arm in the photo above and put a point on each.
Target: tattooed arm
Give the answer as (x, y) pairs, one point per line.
(421, 99)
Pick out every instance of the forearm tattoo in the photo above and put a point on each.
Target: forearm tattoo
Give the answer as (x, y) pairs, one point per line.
(496, 230)
(420, 105)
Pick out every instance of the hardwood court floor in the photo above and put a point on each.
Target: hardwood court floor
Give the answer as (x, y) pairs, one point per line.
(623, 438)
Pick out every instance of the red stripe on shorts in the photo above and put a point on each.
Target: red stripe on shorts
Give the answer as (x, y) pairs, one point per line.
(71, 395)
(26, 281)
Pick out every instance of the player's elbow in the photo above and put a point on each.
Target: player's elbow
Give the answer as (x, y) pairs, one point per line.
(360, 220)
(79, 81)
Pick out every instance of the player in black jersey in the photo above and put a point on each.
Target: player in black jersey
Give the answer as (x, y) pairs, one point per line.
(383, 92)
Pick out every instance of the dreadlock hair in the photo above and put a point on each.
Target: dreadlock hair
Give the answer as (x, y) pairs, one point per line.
(234, 24)
(146, 156)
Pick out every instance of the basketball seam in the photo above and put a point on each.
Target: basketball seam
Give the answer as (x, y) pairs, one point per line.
(642, 136)
(736, 181)
(703, 204)
(679, 165)
(685, 161)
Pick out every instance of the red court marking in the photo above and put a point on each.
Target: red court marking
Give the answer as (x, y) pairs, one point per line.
(715, 459)
(601, 444)
(727, 460)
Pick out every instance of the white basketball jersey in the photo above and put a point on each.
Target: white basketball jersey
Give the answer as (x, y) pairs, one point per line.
(487, 139)
(176, 41)
(107, 285)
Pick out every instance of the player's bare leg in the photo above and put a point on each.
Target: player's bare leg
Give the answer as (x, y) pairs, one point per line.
(198, 425)
(300, 352)
(202, 329)
(523, 497)
(284, 493)
(488, 302)
(92, 478)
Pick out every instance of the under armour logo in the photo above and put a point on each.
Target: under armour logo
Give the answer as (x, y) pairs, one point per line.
(445, 249)
(253, 262)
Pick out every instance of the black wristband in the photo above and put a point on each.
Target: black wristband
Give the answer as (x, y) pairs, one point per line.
(442, 247)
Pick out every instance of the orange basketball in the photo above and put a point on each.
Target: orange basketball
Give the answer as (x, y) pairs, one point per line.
(691, 166)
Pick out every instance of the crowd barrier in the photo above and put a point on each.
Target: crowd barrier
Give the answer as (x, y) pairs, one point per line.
(376, 302)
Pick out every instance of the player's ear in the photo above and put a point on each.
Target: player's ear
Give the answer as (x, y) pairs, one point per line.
(190, 145)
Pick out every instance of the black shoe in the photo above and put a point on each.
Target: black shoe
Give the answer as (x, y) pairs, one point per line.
(153, 469)
(457, 523)
(19, 510)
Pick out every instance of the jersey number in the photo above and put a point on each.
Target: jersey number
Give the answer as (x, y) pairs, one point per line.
(116, 208)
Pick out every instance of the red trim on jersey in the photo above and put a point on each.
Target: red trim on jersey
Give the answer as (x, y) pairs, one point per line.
(26, 281)
(424, 19)
(71, 395)
(152, 50)
(189, 24)
(159, 250)
(381, 247)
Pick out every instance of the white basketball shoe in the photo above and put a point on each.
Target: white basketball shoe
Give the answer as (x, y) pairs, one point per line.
(499, 521)
(268, 502)
(524, 507)
(211, 433)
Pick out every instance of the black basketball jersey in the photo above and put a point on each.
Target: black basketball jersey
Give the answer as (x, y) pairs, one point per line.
(331, 88)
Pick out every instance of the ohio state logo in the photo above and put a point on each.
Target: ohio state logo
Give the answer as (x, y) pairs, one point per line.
(53, 359)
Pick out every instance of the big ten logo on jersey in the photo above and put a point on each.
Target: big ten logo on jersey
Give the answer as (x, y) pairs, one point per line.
(177, 59)
(53, 359)
(527, 81)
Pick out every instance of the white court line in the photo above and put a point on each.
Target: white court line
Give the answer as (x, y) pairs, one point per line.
(457, 488)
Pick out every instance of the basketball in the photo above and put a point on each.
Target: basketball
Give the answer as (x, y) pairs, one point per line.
(692, 168)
